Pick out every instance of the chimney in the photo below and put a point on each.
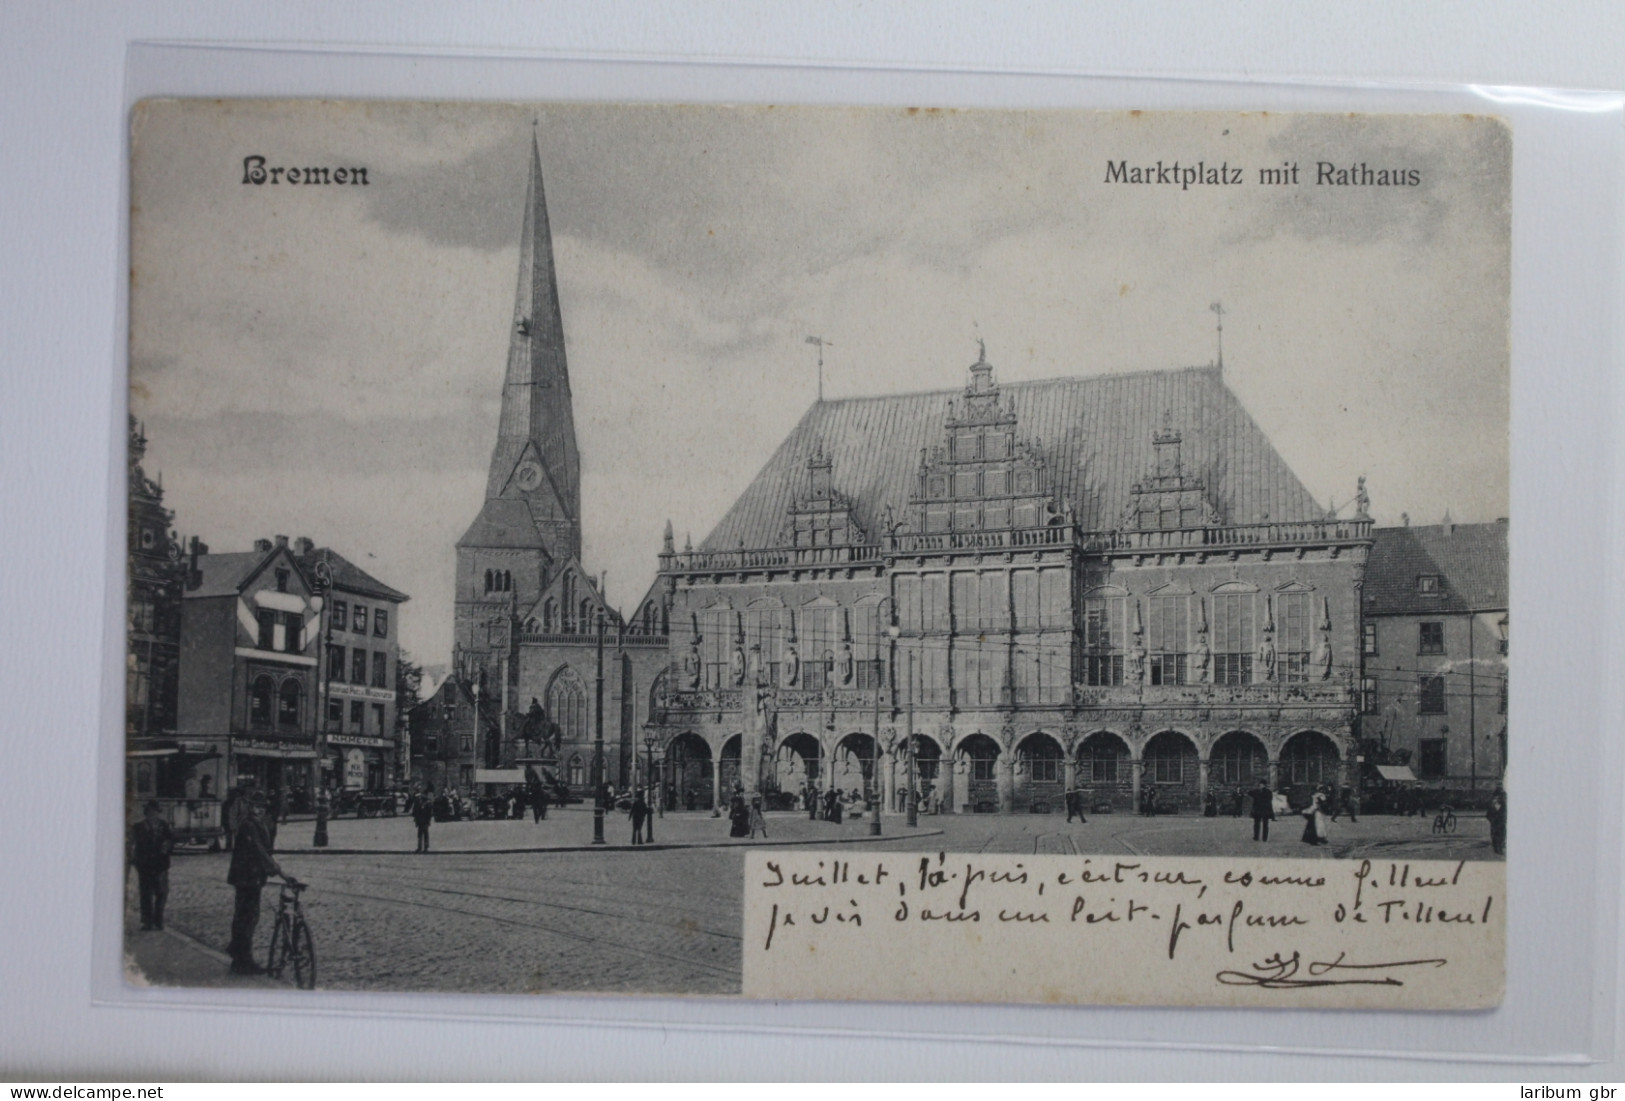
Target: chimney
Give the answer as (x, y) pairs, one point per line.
(282, 542)
(262, 546)
(304, 547)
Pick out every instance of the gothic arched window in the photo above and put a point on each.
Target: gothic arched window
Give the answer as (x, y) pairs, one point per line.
(567, 706)
(490, 581)
(550, 616)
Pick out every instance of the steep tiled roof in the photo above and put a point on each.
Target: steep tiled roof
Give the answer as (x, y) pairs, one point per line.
(224, 574)
(1470, 561)
(1094, 432)
(350, 577)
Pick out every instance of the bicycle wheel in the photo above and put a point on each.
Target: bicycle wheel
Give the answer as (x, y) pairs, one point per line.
(302, 955)
(276, 957)
(1450, 823)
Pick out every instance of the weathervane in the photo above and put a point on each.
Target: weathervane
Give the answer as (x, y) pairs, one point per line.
(822, 344)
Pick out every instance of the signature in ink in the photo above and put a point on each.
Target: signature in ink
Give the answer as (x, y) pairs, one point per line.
(1276, 973)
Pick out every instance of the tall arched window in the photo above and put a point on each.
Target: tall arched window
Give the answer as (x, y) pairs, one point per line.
(287, 703)
(576, 772)
(1234, 635)
(586, 615)
(490, 581)
(567, 706)
(260, 702)
(550, 616)
(1105, 636)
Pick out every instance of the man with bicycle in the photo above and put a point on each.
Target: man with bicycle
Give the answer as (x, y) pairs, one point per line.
(251, 865)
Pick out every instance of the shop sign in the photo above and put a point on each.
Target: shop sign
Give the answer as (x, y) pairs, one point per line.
(355, 770)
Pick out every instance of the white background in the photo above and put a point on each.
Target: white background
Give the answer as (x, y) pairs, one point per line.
(62, 120)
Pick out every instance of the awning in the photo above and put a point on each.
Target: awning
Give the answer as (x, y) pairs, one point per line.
(151, 752)
(499, 776)
(1396, 772)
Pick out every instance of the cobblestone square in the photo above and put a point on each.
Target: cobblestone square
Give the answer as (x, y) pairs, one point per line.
(518, 907)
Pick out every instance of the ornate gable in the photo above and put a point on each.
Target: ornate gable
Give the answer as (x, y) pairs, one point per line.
(982, 477)
(1168, 499)
(821, 516)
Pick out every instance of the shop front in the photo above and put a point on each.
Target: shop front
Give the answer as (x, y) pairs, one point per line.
(361, 763)
(278, 767)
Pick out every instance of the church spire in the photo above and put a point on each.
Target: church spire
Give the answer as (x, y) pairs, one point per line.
(535, 455)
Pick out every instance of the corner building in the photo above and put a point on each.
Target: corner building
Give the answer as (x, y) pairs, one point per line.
(1110, 582)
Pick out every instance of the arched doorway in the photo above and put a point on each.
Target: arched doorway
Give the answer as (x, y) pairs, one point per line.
(981, 756)
(730, 767)
(688, 771)
(927, 773)
(1040, 774)
(853, 766)
(1308, 759)
(1172, 772)
(797, 762)
(1237, 764)
(1105, 773)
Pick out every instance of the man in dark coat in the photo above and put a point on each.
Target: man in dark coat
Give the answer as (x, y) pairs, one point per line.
(151, 842)
(1263, 800)
(422, 817)
(251, 865)
(640, 813)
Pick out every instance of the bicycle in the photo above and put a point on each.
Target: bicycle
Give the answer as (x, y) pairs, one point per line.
(291, 942)
(1445, 820)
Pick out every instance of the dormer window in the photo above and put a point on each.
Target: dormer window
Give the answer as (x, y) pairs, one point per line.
(1427, 584)
(281, 581)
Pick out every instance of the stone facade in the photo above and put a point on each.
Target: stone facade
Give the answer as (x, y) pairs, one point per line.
(1145, 599)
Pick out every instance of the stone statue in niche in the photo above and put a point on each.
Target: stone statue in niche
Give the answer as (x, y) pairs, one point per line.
(691, 666)
(1202, 660)
(790, 670)
(737, 665)
(1323, 655)
(1266, 657)
(846, 663)
(1136, 662)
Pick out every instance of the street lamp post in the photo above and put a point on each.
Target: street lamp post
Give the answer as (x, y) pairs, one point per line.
(323, 584)
(913, 791)
(598, 742)
(649, 779)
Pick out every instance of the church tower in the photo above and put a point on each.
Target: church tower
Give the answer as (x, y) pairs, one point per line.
(530, 523)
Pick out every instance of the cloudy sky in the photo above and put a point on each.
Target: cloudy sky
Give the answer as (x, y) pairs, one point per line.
(328, 361)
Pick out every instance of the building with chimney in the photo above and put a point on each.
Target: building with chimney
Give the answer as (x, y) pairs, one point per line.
(1434, 646)
(533, 634)
(1113, 583)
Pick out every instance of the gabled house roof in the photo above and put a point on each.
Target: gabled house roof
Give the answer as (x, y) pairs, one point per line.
(1094, 432)
(1469, 560)
(349, 577)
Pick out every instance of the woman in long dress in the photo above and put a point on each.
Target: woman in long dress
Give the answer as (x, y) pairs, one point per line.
(1316, 819)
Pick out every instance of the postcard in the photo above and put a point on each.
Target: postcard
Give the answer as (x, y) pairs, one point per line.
(787, 552)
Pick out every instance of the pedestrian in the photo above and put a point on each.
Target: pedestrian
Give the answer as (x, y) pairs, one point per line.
(1263, 800)
(812, 801)
(757, 820)
(640, 814)
(151, 842)
(1150, 802)
(1496, 812)
(538, 802)
(738, 816)
(1210, 806)
(1239, 803)
(1348, 803)
(422, 817)
(281, 807)
(251, 865)
(1315, 819)
(833, 809)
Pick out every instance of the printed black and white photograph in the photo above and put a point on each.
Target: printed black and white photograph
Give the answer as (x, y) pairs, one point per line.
(547, 523)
